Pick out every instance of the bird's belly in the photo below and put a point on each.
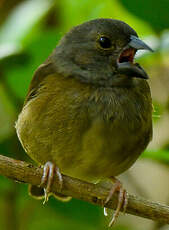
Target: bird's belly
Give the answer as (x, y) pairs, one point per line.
(90, 152)
(105, 150)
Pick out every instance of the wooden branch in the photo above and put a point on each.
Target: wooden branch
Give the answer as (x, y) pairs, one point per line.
(93, 193)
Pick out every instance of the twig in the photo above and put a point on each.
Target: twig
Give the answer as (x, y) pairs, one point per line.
(93, 193)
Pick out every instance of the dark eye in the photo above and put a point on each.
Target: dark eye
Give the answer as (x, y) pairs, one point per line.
(105, 42)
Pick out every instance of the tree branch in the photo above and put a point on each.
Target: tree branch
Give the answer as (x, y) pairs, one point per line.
(93, 193)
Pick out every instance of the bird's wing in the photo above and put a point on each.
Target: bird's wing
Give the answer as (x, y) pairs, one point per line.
(43, 71)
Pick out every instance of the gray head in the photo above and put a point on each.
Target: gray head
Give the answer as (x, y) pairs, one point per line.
(101, 52)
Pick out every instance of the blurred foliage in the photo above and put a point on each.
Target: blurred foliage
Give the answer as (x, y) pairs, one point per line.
(155, 13)
(29, 31)
(159, 155)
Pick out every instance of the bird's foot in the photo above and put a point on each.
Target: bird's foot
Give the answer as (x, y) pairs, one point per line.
(122, 199)
(50, 170)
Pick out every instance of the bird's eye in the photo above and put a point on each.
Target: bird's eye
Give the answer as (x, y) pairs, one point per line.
(105, 42)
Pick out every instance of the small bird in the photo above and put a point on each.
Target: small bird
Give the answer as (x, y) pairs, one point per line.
(88, 111)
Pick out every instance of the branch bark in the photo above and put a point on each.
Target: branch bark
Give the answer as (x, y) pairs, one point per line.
(93, 193)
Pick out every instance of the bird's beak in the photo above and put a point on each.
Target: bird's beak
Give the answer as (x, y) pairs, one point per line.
(138, 44)
(125, 63)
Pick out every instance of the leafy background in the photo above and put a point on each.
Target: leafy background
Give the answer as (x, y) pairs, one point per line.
(29, 31)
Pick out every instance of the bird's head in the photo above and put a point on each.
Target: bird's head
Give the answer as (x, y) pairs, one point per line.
(100, 52)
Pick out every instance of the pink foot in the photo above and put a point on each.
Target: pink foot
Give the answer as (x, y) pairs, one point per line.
(49, 172)
(122, 199)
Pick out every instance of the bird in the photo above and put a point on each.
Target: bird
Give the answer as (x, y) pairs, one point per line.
(88, 110)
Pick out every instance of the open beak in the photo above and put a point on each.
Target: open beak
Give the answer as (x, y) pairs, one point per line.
(125, 64)
(138, 44)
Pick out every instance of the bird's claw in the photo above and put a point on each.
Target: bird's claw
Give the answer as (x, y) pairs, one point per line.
(49, 172)
(122, 200)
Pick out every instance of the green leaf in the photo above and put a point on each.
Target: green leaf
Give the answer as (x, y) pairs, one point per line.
(20, 23)
(99, 9)
(153, 12)
(37, 50)
(159, 155)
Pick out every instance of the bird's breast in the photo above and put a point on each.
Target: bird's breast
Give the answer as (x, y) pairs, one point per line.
(88, 134)
(118, 130)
